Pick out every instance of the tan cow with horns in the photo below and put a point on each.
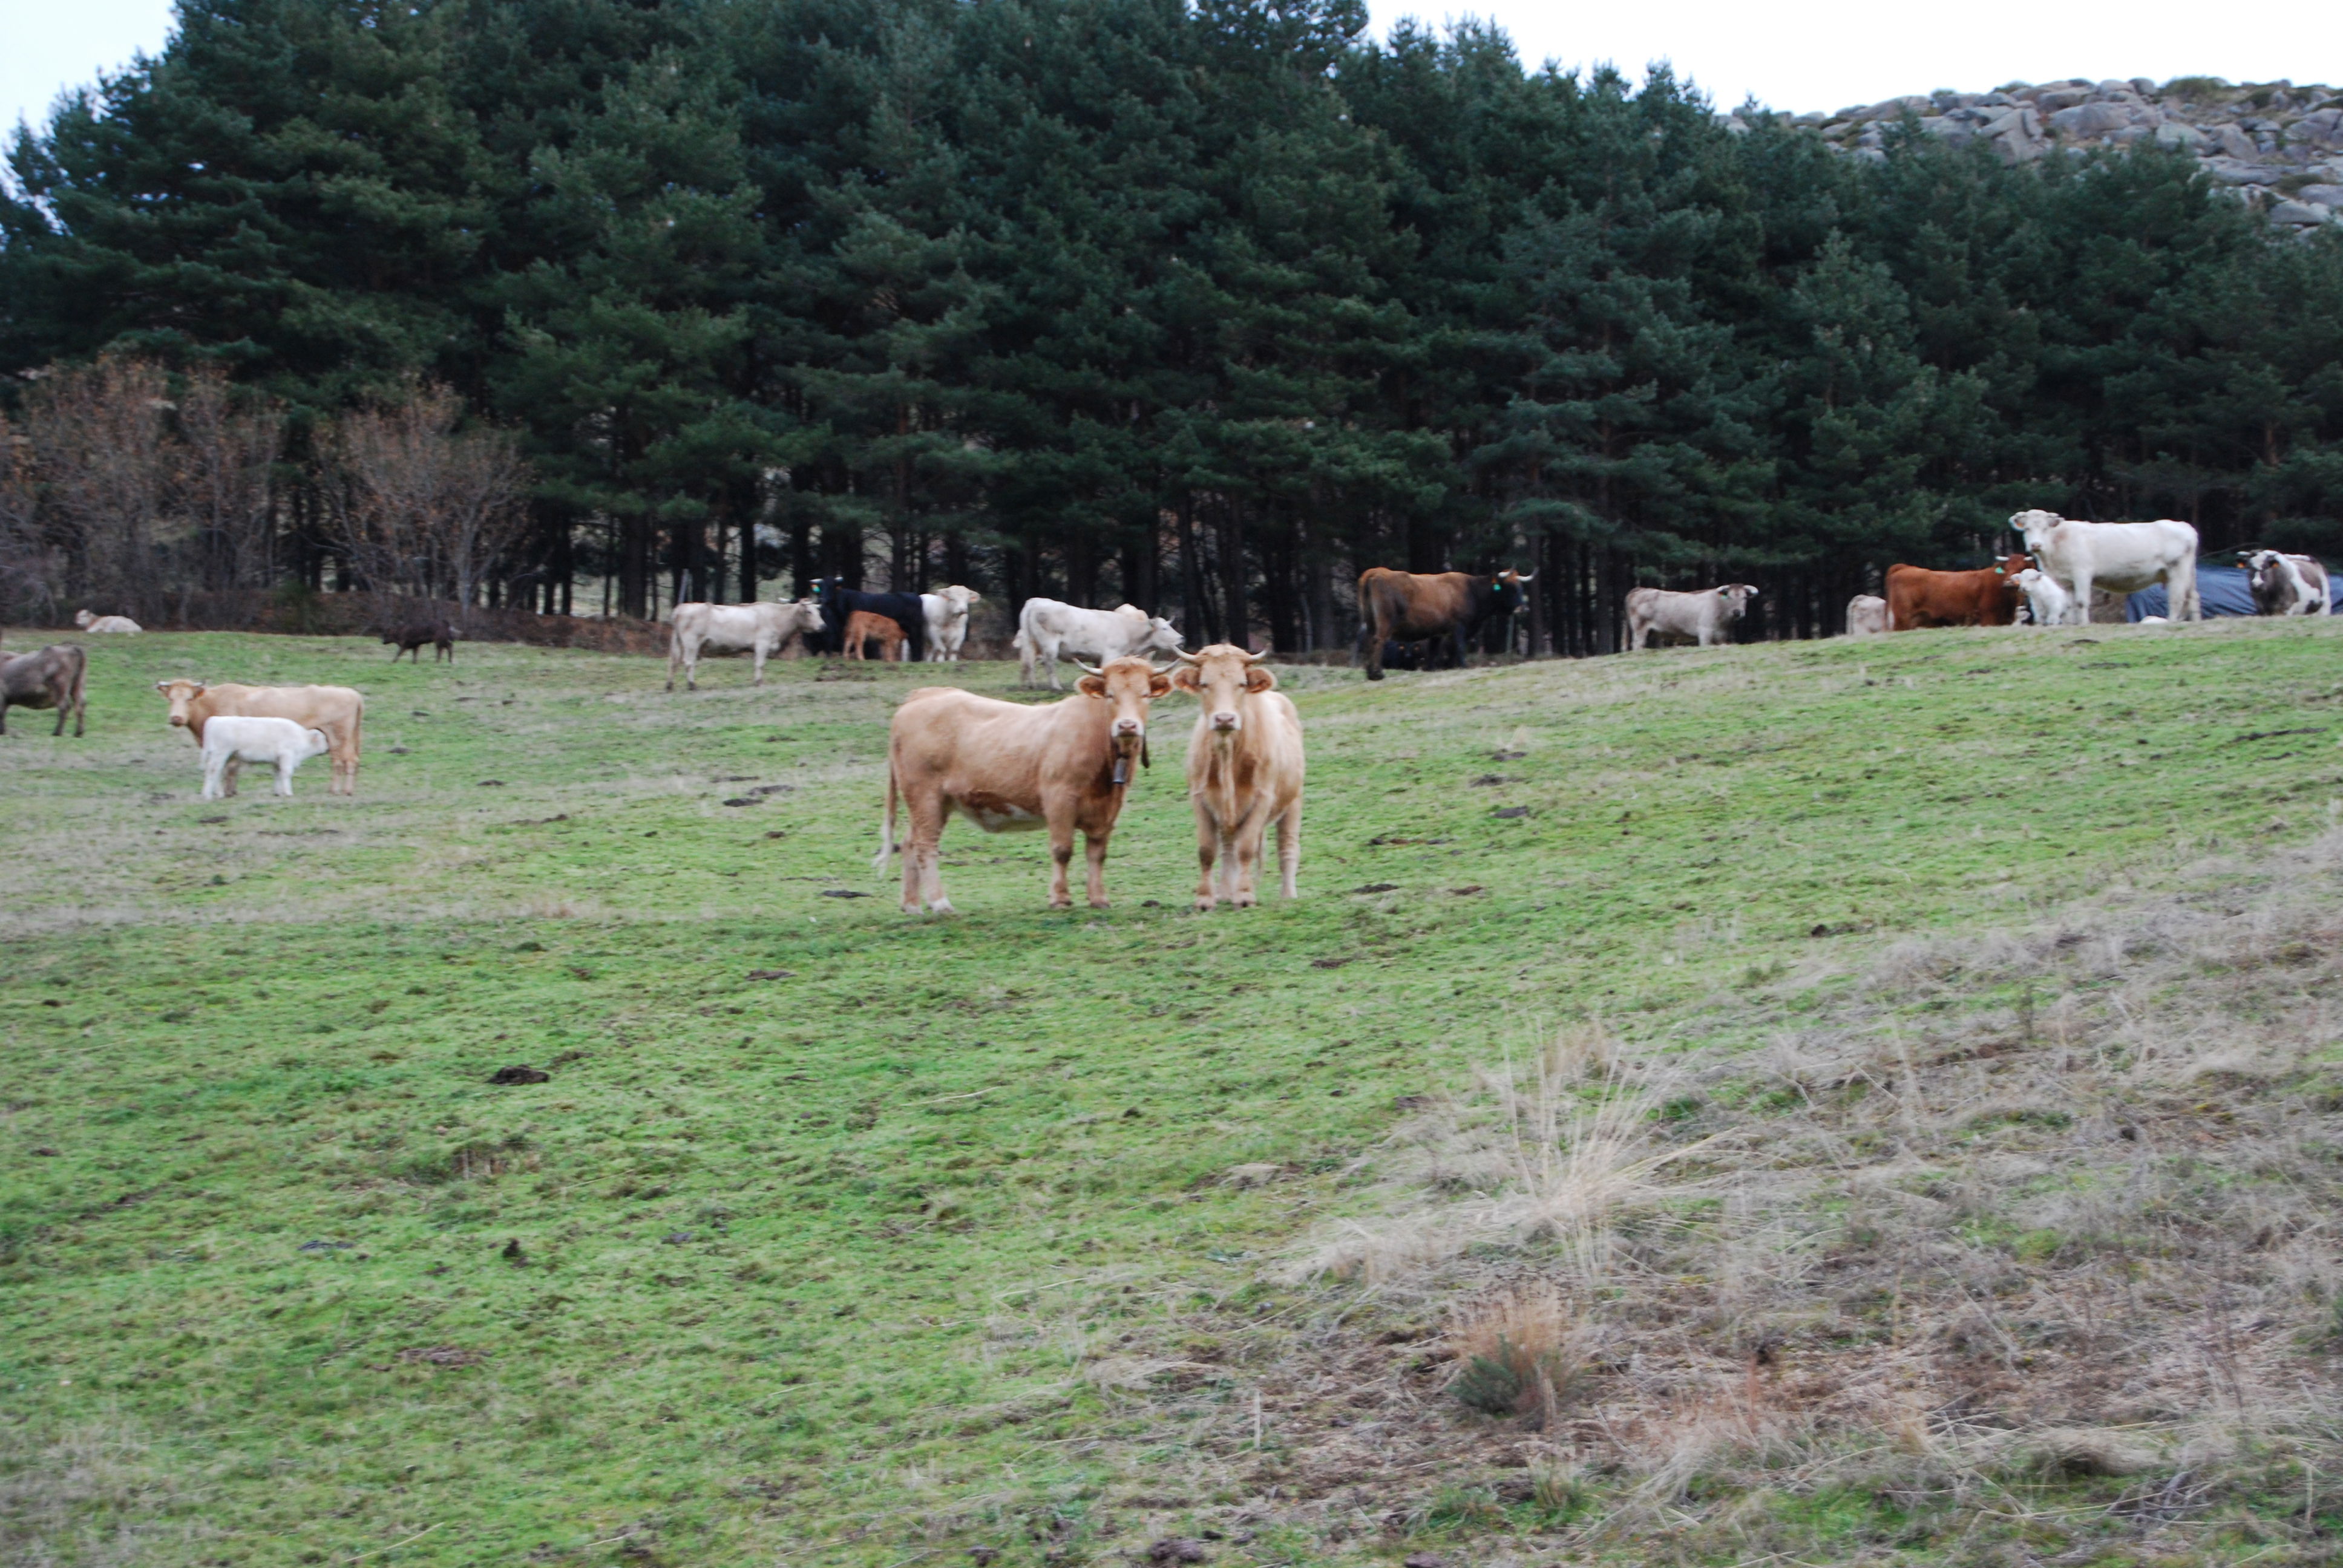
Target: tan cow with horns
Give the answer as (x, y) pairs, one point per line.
(1244, 772)
(1008, 766)
(337, 709)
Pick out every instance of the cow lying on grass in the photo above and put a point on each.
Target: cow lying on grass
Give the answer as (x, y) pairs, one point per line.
(53, 677)
(105, 623)
(1062, 766)
(1244, 772)
(336, 709)
(231, 741)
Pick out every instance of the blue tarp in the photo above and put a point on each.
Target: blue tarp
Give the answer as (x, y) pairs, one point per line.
(2222, 591)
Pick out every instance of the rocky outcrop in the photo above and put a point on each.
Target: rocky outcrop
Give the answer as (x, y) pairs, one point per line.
(2276, 146)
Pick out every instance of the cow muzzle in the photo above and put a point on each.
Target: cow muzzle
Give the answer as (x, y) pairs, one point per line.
(178, 721)
(1225, 723)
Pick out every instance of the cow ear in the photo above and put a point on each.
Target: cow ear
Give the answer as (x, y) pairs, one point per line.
(1091, 685)
(1186, 679)
(1261, 677)
(1158, 685)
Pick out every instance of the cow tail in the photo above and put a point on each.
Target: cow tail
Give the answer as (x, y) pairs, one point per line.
(886, 824)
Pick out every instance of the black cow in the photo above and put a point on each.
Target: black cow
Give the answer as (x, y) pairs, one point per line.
(52, 677)
(1439, 607)
(837, 601)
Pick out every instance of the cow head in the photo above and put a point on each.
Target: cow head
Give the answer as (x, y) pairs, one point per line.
(958, 598)
(2035, 526)
(83, 617)
(183, 694)
(808, 617)
(1736, 597)
(1162, 637)
(1130, 683)
(1510, 593)
(1223, 676)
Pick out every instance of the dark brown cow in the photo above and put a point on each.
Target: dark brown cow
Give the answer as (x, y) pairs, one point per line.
(1410, 607)
(1990, 596)
(1063, 766)
(52, 677)
(411, 637)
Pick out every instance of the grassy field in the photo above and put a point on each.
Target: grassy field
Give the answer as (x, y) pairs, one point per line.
(1706, 1021)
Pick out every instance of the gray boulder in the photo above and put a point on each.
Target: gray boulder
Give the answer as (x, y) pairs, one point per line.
(2232, 141)
(2181, 134)
(2084, 121)
(2299, 212)
(2322, 127)
(2321, 196)
(2052, 99)
(2143, 86)
(2231, 171)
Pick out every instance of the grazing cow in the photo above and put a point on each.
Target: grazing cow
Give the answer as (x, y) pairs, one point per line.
(2287, 585)
(2122, 557)
(336, 709)
(1703, 616)
(1244, 772)
(232, 740)
(1419, 607)
(862, 627)
(52, 676)
(1062, 766)
(103, 623)
(1047, 630)
(411, 637)
(757, 629)
(1867, 615)
(1988, 596)
(948, 622)
(2050, 604)
(839, 602)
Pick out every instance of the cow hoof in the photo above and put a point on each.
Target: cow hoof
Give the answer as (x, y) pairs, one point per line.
(942, 907)
(910, 906)
(1204, 906)
(1374, 675)
(1061, 903)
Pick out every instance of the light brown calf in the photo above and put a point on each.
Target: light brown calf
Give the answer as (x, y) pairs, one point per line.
(1062, 766)
(867, 626)
(336, 709)
(1244, 772)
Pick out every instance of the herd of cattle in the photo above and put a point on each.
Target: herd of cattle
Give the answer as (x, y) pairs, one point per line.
(1064, 767)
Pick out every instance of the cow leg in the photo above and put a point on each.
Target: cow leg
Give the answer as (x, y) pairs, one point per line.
(285, 776)
(235, 765)
(1373, 634)
(1062, 856)
(1051, 654)
(1094, 848)
(1250, 840)
(214, 772)
(1288, 848)
(758, 653)
(1208, 849)
(2080, 613)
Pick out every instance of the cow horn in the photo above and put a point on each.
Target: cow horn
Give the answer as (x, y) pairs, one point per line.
(1257, 657)
(1183, 657)
(1523, 577)
(1088, 668)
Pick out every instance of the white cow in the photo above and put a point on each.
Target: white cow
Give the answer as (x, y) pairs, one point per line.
(2049, 603)
(1867, 616)
(89, 622)
(2122, 557)
(2287, 585)
(1701, 617)
(231, 740)
(759, 629)
(948, 622)
(1047, 630)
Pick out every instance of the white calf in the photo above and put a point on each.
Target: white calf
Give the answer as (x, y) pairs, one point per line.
(2122, 557)
(230, 741)
(2051, 604)
(1662, 615)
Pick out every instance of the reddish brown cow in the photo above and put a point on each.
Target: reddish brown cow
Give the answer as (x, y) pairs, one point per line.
(865, 626)
(1446, 607)
(1063, 766)
(1990, 596)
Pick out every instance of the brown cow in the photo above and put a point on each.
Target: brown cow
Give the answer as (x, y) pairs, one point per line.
(52, 676)
(1244, 772)
(336, 709)
(410, 637)
(1007, 767)
(1410, 607)
(868, 625)
(1990, 596)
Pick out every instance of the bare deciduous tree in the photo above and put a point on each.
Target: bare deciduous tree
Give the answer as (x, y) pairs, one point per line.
(420, 507)
(106, 468)
(225, 492)
(28, 566)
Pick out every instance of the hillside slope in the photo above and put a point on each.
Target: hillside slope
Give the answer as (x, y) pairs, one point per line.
(1869, 1097)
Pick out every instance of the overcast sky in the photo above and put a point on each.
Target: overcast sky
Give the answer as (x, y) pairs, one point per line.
(1795, 55)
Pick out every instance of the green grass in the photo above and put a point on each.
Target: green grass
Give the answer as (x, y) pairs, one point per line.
(810, 1268)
